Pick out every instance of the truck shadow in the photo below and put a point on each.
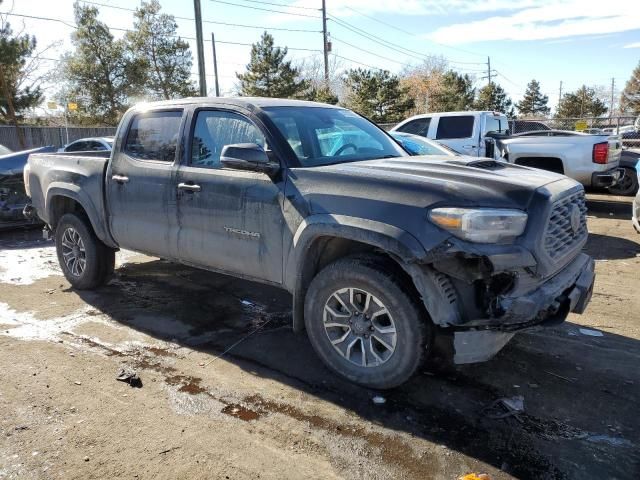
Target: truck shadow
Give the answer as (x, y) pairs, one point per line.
(606, 247)
(580, 391)
(613, 207)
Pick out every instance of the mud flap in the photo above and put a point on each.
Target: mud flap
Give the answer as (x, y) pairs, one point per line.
(478, 345)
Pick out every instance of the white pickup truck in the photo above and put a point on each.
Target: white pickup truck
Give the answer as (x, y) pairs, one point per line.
(590, 159)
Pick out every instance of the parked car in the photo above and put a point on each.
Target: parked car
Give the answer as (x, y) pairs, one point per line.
(13, 197)
(630, 136)
(380, 250)
(93, 144)
(635, 219)
(520, 126)
(630, 163)
(417, 145)
(595, 131)
(590, 159)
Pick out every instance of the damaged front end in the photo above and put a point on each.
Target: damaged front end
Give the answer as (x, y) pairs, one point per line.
(483, 293)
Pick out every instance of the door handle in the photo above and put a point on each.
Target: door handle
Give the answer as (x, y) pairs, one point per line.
(120, 178)
(189, 187)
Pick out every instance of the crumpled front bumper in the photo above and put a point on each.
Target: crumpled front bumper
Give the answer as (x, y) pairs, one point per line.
(548, 304)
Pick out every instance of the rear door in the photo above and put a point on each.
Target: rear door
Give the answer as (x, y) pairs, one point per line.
(229, 220)
(460, 133)
(141, 184)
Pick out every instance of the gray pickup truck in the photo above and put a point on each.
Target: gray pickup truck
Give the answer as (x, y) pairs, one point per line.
(381, 251)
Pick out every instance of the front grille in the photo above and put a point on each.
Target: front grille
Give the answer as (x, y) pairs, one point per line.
(560, 237)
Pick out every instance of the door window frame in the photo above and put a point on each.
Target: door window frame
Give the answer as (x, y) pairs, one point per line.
(473, 127)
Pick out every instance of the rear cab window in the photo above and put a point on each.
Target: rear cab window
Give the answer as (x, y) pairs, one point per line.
(455, 127)
(420, 126)
(154, 135)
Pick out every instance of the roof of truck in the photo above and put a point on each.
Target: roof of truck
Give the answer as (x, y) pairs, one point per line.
(259, 102)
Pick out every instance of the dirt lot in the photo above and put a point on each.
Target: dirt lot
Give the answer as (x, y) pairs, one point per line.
(229, 391)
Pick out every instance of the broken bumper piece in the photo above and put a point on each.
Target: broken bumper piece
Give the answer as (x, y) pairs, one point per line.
(549, 304)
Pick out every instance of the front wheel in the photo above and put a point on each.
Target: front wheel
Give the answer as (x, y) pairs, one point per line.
(85, 261)
(364, 325)
(628, 185)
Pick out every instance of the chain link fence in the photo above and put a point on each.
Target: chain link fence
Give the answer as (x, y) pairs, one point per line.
(44, 136)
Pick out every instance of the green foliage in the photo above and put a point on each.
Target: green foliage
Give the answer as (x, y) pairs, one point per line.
(534, 103)
(630, 98)
(162, 58)
(377, 95)
(269, 74)
(321, 94)
(15, 53)
(493, 97)
(454, 93)
(580, 104)
(100, 72)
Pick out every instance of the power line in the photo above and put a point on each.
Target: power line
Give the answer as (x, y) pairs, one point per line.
(282, 5)
(213, 22)
(368, 51)
(266, 9)
(356, 61)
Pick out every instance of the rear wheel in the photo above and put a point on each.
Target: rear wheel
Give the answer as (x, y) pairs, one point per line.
(85, 261)
(364, 325)
(628, 185)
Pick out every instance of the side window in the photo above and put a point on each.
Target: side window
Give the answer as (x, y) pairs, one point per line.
(215, 129)
(492, 124)
(77, 147)
(417, 127)
(95, 146)
(455, 127)
(154, 136)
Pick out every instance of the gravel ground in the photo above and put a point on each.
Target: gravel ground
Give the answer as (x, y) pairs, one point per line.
(229, 391)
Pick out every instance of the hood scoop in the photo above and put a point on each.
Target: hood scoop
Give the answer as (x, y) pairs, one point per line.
(486, 164)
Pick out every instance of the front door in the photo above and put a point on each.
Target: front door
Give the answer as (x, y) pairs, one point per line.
(141, 184)
(229, 220)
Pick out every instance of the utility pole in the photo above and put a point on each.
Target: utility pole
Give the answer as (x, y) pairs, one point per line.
(215, 63)
(10, 110)
(200, 44)
(613, 86)
(560, 93)
(489, 69)
(325, 42)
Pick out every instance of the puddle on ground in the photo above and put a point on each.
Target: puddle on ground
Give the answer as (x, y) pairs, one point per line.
(238, 411)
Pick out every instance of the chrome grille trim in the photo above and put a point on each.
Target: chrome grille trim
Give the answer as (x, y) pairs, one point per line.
(559, 237)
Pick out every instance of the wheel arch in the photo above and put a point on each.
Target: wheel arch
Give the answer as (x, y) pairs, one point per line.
(322, 239)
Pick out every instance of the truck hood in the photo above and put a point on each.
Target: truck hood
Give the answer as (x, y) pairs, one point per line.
(421, 181)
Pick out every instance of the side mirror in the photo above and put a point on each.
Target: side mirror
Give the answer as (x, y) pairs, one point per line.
(246, 156)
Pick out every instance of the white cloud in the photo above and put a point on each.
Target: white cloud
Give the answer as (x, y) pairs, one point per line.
(560, 20)
(632, 45)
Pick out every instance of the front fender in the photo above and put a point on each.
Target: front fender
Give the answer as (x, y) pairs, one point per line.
(392, 240)
(94, 212)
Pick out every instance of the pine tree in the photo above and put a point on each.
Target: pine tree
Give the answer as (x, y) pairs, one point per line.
(630, 98)
(100, 72)
(321, 94)
(582, 103)
(164, 59)
(269, 74)
(534, 103)
(493, 97)
(455, 93)
(15, 52)
(377, 95)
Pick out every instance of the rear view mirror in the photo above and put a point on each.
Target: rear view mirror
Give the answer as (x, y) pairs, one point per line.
(246, 156)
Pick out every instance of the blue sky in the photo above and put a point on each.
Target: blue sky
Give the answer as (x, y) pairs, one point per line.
(573, 41)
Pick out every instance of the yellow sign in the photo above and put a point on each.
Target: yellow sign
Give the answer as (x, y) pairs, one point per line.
(581, 125)
(72, 106)
(52, 105)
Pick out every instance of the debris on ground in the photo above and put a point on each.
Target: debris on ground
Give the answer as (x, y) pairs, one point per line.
(475, 476)
(129, 375)
(590, 333)
(504, 407)
(379, 400)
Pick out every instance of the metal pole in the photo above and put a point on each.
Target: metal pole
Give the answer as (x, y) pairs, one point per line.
(215, 63)
(560, 94)
(325, 45)
(200, 45)
(489, 69)
(613, 86)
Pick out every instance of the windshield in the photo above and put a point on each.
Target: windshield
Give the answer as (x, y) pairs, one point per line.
(416, 145)
(325, 136)
(4, 150)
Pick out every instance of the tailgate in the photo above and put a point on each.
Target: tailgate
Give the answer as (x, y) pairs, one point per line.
(615, 150)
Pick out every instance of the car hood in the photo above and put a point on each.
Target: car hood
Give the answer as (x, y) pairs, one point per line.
(422, 181)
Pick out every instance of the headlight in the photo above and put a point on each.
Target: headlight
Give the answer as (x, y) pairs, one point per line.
(481, 225)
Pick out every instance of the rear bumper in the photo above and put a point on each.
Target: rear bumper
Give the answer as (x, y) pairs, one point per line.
(547, 305)
(607, 178)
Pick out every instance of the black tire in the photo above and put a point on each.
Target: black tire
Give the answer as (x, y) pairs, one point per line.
(373, 276)
(99, 260)
(628, 185)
